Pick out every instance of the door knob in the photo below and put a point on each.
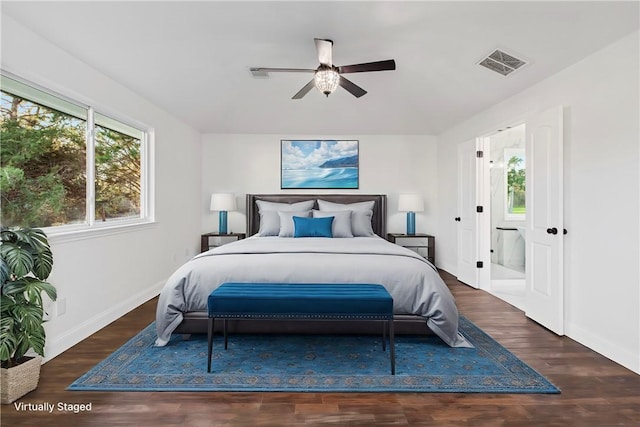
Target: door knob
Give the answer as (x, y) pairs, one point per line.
(457, 219)
(552, 230)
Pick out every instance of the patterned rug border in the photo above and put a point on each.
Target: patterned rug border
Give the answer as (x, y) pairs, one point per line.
(518, 377)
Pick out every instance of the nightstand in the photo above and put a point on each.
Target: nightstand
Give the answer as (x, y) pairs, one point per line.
(215, 239)
(422, 244)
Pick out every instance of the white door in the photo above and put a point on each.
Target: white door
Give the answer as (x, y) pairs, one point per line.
(466, 215)
(544, 235)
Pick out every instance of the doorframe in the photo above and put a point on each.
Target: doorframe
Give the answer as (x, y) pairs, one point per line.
(483, 191)
(467, 270)
(483, 188)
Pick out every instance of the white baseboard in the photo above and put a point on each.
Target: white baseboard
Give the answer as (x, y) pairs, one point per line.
(449, 268)
(622, 356)
(99, 321)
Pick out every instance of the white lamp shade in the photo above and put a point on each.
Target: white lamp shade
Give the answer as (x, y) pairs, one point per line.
(410, 203)
(223, 202)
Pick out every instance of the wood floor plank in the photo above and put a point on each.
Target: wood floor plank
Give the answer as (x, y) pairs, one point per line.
(595, 390)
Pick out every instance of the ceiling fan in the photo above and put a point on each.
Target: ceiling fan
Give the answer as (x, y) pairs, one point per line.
(327, 77)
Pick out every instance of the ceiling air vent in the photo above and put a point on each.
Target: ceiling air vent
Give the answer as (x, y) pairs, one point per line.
(502, 62)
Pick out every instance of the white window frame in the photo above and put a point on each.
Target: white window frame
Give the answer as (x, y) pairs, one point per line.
(92, 228)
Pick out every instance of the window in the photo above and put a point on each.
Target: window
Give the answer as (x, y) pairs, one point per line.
(64, 165)
(514, 161)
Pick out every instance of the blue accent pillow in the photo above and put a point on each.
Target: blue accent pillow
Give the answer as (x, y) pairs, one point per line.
(312, 227)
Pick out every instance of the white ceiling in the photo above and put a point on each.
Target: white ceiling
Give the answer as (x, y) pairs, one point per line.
(193, 58)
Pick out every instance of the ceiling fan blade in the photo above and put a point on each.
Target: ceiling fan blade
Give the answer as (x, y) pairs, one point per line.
(324, 48)
(353, 88)
(263, 71)
(387, 65)
(305, 89)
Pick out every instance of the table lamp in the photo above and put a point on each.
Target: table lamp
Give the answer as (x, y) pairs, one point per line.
(223, 202)
(410, 203)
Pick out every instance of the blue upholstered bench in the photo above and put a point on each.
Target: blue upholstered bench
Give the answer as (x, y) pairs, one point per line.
(307, 301)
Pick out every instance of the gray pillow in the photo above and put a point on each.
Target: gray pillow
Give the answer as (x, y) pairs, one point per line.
(361, 224)
(360, 218)
(269, 219)
(341, 226)
(269, 223)
(287, 225)
(306, 205)
(323, 205)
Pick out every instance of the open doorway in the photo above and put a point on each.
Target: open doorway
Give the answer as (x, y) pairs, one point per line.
(507, 174)
(538, 289)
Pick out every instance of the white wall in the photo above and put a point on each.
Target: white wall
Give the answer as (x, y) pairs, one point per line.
(389, 164)
(102, 278)
(601, 188)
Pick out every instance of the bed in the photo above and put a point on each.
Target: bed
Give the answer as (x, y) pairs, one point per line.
(355, 253)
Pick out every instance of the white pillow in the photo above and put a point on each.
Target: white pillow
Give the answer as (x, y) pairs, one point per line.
(287, 225)
(341, 226)
(362, 212)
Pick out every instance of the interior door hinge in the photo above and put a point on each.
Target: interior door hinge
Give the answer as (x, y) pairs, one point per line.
(479, 154)
(479, 264)
(479, 209)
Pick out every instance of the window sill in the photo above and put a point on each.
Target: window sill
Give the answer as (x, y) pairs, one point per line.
(84, 233)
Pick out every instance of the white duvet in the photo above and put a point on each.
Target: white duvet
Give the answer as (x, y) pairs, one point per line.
(414, 284)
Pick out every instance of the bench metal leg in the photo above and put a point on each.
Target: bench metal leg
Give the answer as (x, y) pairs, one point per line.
(224, 329)
(384, 336)
(209, 343)
(392, 348)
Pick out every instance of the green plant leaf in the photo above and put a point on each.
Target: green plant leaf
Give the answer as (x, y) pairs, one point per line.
(28, 316)
(15, 289)
(34, 288)
(7, 235)
(18, 258)
(43, 263)
(28, 331)
(8, 340)
(23, 344)
(22, 235)
(6, 305)
(36, 340)
(5, 274)
(36, 239)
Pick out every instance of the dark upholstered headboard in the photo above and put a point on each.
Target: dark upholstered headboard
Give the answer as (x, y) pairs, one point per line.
(378, 221)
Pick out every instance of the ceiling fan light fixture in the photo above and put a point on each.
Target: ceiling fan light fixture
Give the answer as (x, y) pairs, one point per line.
(327, 79)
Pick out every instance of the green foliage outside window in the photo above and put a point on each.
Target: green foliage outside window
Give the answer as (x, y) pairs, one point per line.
(117, 159)
(43, 167)
(516, 185)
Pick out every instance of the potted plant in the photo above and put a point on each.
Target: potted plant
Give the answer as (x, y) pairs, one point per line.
(26, 262)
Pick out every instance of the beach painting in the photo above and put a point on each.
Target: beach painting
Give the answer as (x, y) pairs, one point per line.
(322, 163)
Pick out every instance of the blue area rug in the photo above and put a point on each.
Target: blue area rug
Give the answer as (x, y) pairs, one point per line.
(314, 363)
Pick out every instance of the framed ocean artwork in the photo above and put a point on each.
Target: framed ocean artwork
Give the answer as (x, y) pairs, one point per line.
(319, 163)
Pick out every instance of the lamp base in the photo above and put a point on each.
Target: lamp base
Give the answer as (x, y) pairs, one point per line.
(411, 223)
(222, 222)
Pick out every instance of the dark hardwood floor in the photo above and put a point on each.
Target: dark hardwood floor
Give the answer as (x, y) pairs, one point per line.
(595, 391)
